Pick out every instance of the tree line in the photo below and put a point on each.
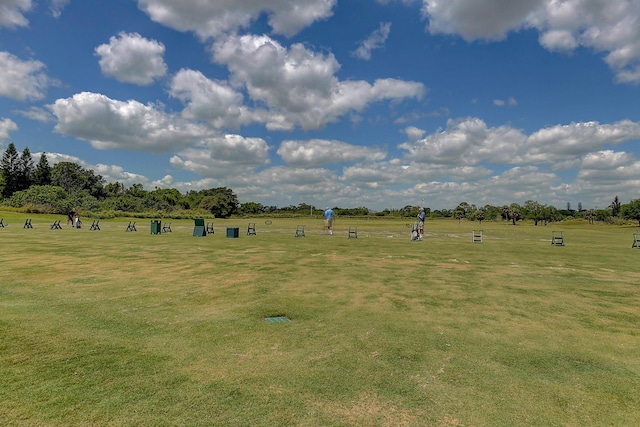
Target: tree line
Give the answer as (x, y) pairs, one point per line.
(68, 186)
(543, 214)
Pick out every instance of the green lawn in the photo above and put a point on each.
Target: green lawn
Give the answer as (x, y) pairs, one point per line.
(115, 328)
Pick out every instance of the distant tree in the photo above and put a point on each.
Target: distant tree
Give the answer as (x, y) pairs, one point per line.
(504, 212)
(590, 216)
(193, 199)
(533, 210)
(409, 211)
(74, 179)
(444, 213)
(491, 212)
(136, 198)
(289, 209)
(551, 213)
(221, 202)
(468, 209)
(631, 211)
(603, 215)
(114, 189)
(514, 212)
(615, 206)
(95, 185)
(137, 190)
(208, 203)
(459, 214)
(359, 211)
(25, 170)
(42, 172)
(251, 208)
(9, 170)
(167, 199)
(480, 215)
(68, 176)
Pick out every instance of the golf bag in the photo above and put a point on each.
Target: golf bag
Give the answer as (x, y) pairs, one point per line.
(415, 232)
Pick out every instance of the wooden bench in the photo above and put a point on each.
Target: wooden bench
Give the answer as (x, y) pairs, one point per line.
(476, 236)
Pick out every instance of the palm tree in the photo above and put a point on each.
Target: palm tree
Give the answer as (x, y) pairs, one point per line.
(615, 206)
(533, 210)
(514, 212)
(504, 212)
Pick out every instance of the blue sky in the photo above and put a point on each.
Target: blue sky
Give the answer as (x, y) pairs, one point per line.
(376, 103)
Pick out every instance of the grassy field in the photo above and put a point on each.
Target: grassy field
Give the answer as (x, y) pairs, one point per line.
(115, 328)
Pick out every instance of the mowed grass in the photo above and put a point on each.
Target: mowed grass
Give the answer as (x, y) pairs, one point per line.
(127, 328)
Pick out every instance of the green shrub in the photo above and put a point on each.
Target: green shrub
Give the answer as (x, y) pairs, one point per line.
(40, 199)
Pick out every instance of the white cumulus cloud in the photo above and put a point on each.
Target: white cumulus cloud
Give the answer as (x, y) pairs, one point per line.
(219, 157)
(577, 139)
(467, 141)
(478, 19)
(115, 173)
(127, 125)
(7, 126)
(210, 100)
(131, 58)
(22, 80)
(12, 13)
(317, 152)
(298, 86)
(605, 26)
(214, 18)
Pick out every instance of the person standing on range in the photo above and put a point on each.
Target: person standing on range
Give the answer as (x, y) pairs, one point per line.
(422, 216)
(328, 220)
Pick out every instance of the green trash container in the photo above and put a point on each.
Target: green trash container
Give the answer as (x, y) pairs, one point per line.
(233, 232)
(198, 228)
(156, 227)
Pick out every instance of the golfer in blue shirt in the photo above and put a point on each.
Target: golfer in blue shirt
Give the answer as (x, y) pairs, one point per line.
(328, 220)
